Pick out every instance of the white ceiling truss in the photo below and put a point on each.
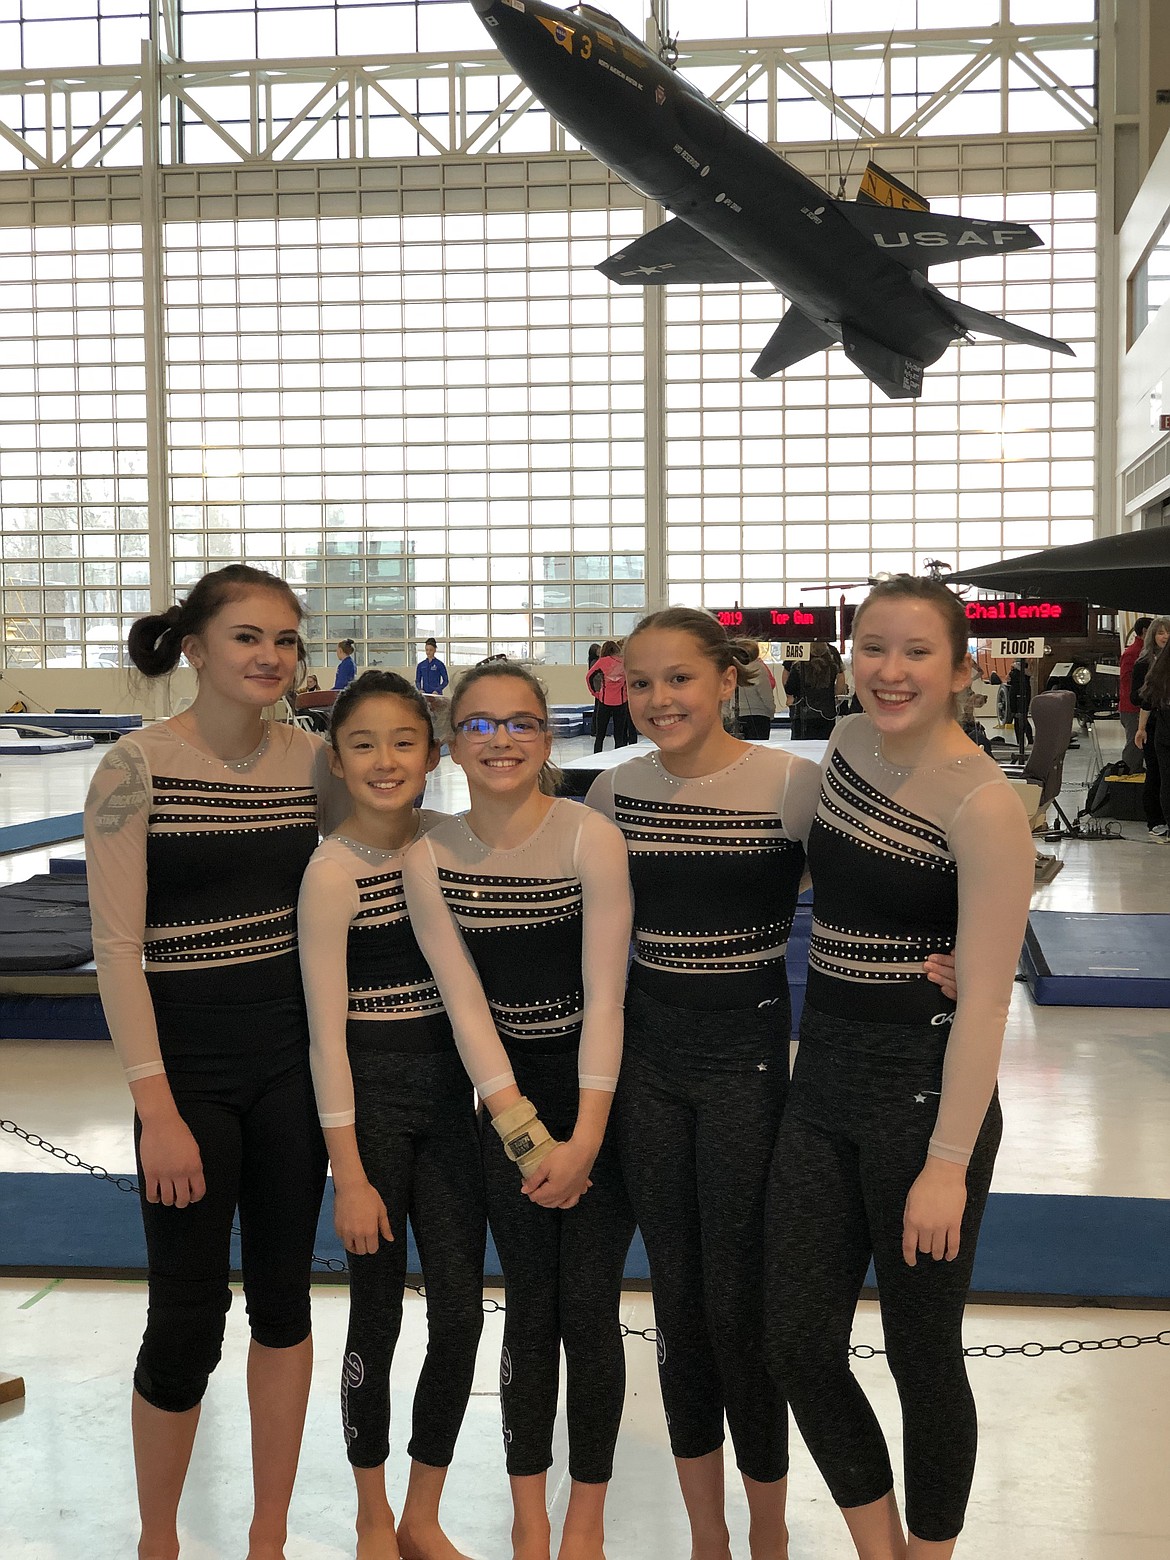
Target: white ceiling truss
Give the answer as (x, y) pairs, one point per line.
(465, 103)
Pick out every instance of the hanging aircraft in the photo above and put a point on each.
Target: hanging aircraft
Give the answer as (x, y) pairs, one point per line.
(853, 271)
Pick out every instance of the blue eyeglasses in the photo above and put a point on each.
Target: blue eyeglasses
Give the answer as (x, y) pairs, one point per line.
(478, 728)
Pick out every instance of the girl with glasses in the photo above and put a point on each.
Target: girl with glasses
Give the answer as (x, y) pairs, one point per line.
(522, 909)
(397, 1114)
(918, 845)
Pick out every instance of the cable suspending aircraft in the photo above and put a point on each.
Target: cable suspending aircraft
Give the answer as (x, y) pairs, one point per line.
(853, 272)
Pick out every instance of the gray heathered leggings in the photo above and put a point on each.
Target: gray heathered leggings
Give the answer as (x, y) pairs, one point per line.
(419, 1145)
(698, 1106)
(861, 1108)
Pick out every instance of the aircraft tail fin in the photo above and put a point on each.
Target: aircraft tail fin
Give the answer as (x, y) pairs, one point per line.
(879, 188)
(919, 241)
(674, 252)
(895, 375)
(969, 319)
(795, 337)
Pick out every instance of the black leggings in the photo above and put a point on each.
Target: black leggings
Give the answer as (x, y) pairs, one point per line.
(419, 1144)
(1156, 785)
(240, 1078)
(603, 716)
(860, 1113)
(698, 1107)
(562, 1285)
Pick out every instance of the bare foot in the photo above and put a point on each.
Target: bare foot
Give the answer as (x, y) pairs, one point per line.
(378, 1544)
(261, 1549)
(424, 1541)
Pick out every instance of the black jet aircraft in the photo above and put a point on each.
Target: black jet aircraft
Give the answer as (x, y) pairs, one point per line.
(853, 271)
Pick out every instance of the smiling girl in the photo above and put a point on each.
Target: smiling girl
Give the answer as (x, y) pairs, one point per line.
(522, 908)
(397, 1113)
(716, 866)
(198, 830)
(890, 1132)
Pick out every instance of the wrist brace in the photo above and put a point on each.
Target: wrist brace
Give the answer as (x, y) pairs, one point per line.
(527, 1141)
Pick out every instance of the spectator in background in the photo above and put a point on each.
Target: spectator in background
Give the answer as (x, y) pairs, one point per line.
(812, 688)
(753, 703)
(1127, 710)
(346, 665)
(1153, 723)
(606, 680)
(430, 675)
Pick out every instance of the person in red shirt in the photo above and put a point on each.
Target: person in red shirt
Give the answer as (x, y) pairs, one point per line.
(1127, 709)
(606, 680)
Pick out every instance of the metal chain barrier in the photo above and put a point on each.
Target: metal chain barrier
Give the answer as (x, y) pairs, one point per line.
(859, 1351)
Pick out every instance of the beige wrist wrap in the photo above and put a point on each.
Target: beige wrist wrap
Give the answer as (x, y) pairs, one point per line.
(527, 1141)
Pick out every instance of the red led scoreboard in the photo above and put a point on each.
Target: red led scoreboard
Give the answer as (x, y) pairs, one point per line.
(769, 623)
(997, 617)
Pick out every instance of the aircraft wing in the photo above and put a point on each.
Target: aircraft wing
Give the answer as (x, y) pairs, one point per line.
(969, 319)
(674, 252)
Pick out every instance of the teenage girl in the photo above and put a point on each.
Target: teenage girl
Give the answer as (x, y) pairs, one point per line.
(890, 1132)
(522, 908)
(716, 868)
(397, 1113)
(198, 830)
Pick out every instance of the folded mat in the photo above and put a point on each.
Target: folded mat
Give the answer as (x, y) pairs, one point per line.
(44, 924)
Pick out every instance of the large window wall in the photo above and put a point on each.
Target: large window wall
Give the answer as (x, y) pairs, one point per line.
(431, 425)
(73, 488)
(815, 479)
(398, 379)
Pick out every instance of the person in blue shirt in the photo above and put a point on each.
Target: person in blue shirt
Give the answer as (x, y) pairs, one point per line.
(346, 665)
(430, 675)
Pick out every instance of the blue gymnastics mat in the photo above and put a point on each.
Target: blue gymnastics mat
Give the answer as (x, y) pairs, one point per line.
(41, 831)
(72, 1224)
(1101, 1248)
(1081, 960)
(37, 747)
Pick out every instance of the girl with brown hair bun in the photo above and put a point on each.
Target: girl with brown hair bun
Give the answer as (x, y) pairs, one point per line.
(917, 844)
(522, 908)
(198, 830)
(716, 863)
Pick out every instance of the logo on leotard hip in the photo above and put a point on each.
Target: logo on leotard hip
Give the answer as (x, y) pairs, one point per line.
(660, 1345)
(941, 1019)
(353, 1373)
(505, 1367)
(920, 1097)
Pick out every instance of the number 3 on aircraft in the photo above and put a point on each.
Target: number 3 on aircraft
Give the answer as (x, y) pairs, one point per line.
(586, 46)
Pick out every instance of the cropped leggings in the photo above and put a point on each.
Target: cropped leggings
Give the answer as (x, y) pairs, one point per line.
(860, 1113)
(419, 1145)
(240, 1078)
(562, 1283)
(698, 1108)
